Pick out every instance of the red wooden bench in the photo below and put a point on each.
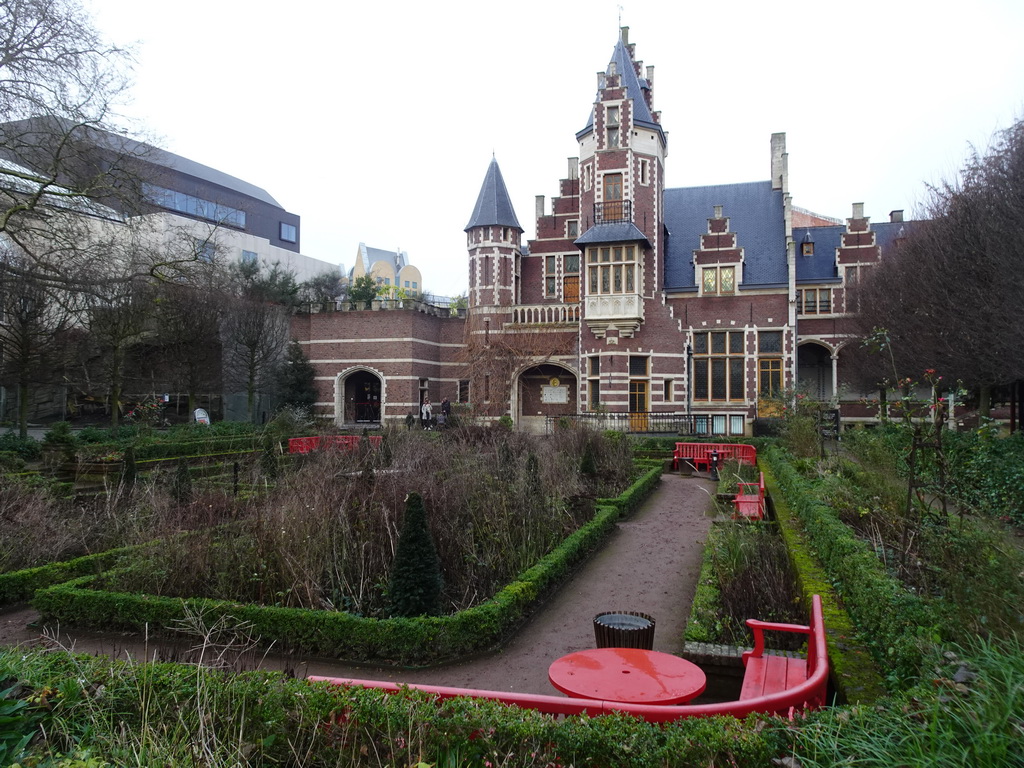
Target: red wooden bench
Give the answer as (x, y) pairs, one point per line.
(804, 688)
(338, 442)
(750, 500)
(699, 454)
(768, 674)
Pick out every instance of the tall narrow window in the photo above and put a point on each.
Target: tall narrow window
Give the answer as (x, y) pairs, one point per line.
(571, 280)
(550, 283)
(612, 121)
(612, 196)
(769, 364)
(594, 383)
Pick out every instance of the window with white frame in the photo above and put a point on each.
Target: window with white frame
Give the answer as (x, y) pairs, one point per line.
(612, 125)
(594, 382)
(718, 281)
(550, 278)
(612, 270)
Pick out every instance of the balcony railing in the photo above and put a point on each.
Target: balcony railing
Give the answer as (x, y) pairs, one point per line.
(613, 210)
(546, 314)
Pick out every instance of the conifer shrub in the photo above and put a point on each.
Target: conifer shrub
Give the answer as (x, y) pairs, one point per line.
(181, 483)
(416, 583)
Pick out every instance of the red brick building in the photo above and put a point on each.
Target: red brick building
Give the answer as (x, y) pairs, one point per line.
(639, 304)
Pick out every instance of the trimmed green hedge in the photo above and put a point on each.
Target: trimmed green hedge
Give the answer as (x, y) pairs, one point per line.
(20, 586)
(893, 620)
(415, 641)
(706, 598)
(630, 499)
(854, 671)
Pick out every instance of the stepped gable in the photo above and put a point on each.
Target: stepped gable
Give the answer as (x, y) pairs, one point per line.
(756, 217)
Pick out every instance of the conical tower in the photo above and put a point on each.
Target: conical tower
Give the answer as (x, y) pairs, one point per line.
(493, 238)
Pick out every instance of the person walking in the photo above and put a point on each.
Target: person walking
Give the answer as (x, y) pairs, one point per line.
(425, 412)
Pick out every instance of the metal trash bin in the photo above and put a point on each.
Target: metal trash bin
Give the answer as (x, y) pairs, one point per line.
(624, 629)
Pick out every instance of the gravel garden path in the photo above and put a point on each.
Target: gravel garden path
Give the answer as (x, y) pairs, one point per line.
(650, 564)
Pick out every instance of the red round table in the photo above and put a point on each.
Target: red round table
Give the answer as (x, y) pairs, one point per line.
(628, 675)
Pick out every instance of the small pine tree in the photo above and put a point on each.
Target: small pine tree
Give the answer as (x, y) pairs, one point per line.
(296, 378)
(268, 458)
(181, 483)
(129, 473)
(416, 583)
(588, 464)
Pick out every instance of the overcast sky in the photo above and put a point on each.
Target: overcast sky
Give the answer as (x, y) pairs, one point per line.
(375, 122)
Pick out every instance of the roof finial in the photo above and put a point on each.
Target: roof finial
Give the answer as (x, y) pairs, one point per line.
(620, 16)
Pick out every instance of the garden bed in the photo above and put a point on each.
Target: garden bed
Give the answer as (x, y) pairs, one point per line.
(337, 634)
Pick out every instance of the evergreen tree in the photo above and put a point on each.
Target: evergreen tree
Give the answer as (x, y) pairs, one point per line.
(296, 378)
(181, 483)
(416, 583)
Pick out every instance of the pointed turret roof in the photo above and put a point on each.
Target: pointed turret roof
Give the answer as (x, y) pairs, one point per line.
(633, 85)
(493, 206)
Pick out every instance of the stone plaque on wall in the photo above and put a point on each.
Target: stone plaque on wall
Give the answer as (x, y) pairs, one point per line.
(558, 395)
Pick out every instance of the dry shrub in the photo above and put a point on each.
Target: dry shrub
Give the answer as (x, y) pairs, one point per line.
(755, 580)
(36, 529)
(325, 537)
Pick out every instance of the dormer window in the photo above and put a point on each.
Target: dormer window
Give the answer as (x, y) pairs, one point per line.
(807, 244)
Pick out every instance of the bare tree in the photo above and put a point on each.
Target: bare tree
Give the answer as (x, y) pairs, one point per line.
(70, 185)
(117, 322)
(255, 327)
(948, 296)
(58, 78)
(188, 317)
(33, 324)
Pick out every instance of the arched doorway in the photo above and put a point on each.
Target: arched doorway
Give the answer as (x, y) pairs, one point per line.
(814, 371)
(359, 397)
(542, 391)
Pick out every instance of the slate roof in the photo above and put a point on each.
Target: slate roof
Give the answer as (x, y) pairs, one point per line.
(370, 256)
(634, 86)
(821, 267)
(755, 213)
(615, 232)
(493, 206)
